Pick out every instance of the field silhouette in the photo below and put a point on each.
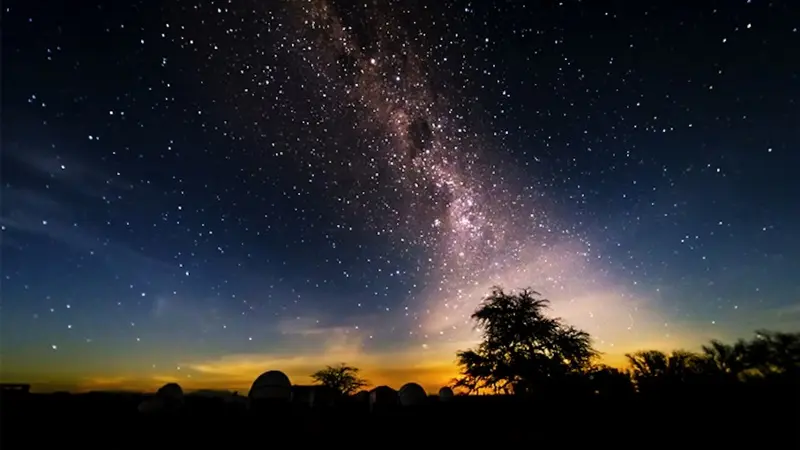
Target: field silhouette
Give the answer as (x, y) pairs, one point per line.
(532, 379)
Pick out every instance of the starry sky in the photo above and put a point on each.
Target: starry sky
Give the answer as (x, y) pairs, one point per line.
(201, 191)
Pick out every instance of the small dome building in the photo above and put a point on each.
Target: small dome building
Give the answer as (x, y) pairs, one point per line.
(445, 394)
(412, 394)
(171, 391)
(168, 398)
(382, 398)
(271, 385)
(271, 391)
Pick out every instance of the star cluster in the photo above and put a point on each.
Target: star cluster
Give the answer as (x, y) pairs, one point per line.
(203, 189)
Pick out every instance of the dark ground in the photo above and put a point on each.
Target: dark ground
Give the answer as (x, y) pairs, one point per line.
(111, 421)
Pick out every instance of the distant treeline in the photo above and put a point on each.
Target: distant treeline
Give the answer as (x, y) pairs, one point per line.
(524, 351)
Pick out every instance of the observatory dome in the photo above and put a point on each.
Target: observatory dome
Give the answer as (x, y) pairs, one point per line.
(383, 395)
(271, 385)
(445, 394)
(170, 391)
(412, 394)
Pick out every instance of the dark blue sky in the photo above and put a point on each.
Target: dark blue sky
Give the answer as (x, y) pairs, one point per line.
(196, 183)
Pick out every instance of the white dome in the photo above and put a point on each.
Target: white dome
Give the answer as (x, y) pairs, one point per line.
(382, 395)
(272, 385)
(412, 394)
(171, 391)
(445, 394)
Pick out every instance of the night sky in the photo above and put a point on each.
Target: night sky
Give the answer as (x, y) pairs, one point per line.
(201, 191)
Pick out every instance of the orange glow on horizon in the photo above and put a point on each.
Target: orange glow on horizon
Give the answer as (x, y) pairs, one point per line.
(432, 366)
(239, 375)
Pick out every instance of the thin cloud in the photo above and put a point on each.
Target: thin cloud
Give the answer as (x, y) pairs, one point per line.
(171, 309)
(77, 175)
(330, 346)
(40, 213)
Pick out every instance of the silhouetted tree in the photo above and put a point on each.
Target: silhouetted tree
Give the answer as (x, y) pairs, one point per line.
(342, 378)
(609, 381)
(655, 370)
(522, 348)
(774, 354)
(725, 362)
(770, 356)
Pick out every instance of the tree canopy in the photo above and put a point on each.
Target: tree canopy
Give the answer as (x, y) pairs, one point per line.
(521, 347)
(342, 378)
(768, 356)
(523, 350)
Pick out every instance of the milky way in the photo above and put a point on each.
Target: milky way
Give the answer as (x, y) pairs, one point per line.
(477, 225)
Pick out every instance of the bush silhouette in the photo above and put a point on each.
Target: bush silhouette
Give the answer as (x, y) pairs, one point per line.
(343, 379)
(770, 358)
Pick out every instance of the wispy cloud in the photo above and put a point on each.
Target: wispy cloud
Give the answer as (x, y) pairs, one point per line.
(45, 213)
(791, 311)
(38, 212)
(71, 173)
(782, 318)
(330, 346)
(396, 369)
(199, 313)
